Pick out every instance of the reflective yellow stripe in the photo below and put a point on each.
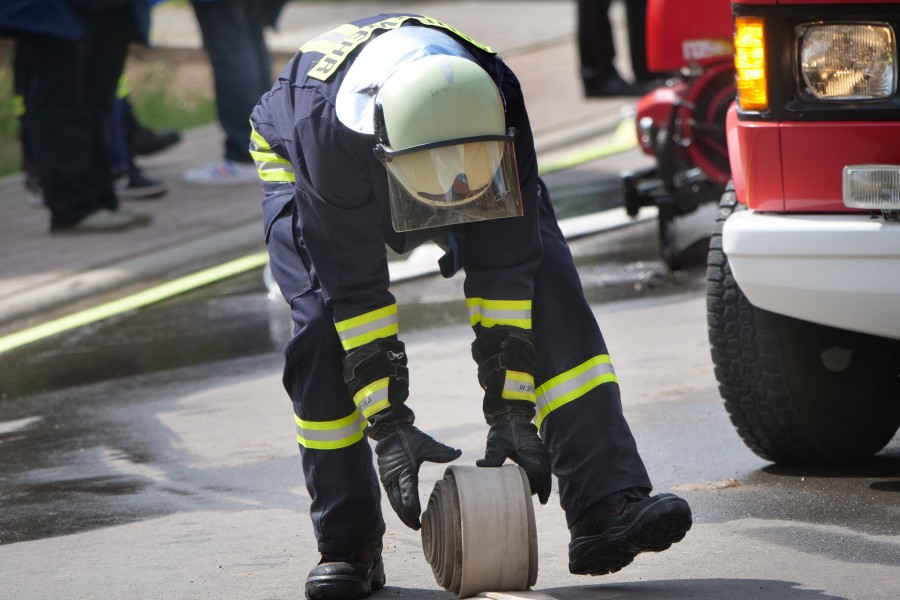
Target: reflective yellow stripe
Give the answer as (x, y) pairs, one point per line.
(516, 313)
(18, 104)
(573, 384)
(373, 398)
(269, 157)
(123, 88)
(518, 386)
(257, 139)
(330, 435)
(370, 326)
(277, 175)
(336, 52)
(269, 165)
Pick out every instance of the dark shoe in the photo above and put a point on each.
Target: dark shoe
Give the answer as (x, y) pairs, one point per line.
(613, 85)
(104, 220)
(630, 522)
(144, 141)
(337, 577)
(134, 185)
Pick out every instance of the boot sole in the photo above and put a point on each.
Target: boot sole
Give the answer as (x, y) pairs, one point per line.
(659, 525)
(336, 587)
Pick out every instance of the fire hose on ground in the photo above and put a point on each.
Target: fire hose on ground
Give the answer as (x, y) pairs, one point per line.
(479, 533)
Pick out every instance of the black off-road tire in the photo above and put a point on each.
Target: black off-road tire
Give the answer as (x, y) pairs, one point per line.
(797, 392)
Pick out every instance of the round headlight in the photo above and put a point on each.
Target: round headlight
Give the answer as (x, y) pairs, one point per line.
(847, 61)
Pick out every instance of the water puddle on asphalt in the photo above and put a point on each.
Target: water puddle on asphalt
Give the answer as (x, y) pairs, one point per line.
(79, 435)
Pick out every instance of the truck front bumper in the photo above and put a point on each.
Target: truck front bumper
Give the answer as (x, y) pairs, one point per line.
(837, 270)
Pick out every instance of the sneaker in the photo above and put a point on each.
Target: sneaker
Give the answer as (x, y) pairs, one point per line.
(140, 219)
(144, 141)
(134, 185)
(628, 523)
(223, 172)
(105, 220)
(346, 578)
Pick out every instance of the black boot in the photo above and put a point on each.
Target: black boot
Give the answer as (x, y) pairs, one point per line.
(342, 577)
(143, 141)
(624, 525)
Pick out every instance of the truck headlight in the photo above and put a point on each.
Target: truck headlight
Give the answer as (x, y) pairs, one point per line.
(847, 61)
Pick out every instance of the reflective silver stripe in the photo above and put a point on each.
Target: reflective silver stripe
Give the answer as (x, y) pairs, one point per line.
(573, 384)
(370, 326)
(269, 165)
(330, 435)
(515, 313)
(518, 386)
(373, 398)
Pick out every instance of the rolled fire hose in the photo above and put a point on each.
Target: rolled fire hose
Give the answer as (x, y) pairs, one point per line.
(478, 531)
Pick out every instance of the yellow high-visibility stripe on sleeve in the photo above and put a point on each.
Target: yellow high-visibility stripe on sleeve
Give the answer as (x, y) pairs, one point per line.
(518, 386)
(573, 384)
(269, 165)
(373, 398)
(515, 313)
(18, 105)
(373, 325)
(123, 87)
(330, 435)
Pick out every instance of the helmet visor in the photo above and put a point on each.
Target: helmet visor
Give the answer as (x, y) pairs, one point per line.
(461, 182)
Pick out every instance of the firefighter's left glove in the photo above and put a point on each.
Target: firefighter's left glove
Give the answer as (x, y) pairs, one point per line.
(512, 435)
(401, 450)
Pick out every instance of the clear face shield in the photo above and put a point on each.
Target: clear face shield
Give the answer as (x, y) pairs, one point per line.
(449, 183)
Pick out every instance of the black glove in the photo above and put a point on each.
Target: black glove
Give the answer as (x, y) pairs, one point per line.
(401, 450)
(512, 435)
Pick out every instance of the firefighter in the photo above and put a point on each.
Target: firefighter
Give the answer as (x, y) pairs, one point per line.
(392, 131)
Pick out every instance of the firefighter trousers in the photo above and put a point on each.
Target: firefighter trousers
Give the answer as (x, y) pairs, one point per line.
(592, 450)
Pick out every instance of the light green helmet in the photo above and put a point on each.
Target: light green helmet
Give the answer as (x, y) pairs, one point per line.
(439, 98)
(442, 132)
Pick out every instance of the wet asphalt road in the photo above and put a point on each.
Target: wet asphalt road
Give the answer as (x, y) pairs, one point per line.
(152, 455)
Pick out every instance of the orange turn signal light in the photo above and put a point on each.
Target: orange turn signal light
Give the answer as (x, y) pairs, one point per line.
(750, 63)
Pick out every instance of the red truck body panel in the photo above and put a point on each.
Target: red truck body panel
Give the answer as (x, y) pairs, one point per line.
(687, 31)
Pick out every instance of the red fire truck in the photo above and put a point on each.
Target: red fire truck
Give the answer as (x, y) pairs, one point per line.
(804, 264)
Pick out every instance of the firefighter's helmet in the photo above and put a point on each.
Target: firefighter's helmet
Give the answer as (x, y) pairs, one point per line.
(442, 136)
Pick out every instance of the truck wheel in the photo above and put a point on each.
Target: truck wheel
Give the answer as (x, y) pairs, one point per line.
(797, 392)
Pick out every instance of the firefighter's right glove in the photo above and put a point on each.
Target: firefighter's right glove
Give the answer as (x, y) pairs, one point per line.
(401, 450)
(512, 435)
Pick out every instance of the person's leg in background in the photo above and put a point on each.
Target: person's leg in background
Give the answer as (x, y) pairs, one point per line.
(233, 37)
(595, 44)
(141, 140)
(636, 12)
(596, 50)
(130, 181)
(69, 129)
(23, 80)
